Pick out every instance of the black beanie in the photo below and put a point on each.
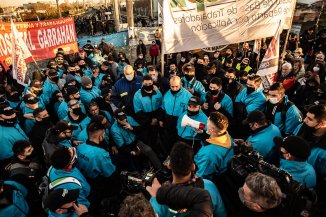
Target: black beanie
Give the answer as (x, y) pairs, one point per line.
(60, 158)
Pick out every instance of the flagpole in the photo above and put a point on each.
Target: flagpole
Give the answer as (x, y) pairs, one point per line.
(288, 33)
(162, 53)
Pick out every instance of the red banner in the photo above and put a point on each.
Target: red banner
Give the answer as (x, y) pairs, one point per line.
(43, 38)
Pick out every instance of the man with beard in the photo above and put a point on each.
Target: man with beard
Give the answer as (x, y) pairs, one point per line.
(61, 66)
(173, 71)
(10, 132)
(107, 68)
(124, 90)
(244, 52)
(174, 103)
(188, 134)
(281, 111)
(88, 48)
(162, 83)
(230, 84)
(313, 130)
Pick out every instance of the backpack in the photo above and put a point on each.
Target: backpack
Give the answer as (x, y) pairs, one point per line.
(46, 186)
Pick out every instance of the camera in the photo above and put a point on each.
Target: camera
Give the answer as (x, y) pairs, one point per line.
(297, 199)
(135, 182)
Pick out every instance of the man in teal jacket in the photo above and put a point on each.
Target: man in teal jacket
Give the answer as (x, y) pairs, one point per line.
(188, 134)
(182, 166)
(13, 194)
(175, 102)
(282, 112)
(294, 154)
(63, 169)
(262, 135)
(10, 132)
(213, 156)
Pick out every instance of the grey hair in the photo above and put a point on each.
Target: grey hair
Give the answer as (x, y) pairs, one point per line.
(265, 188)
(289, 65)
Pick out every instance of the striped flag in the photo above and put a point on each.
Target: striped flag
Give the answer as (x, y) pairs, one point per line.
(20, 53)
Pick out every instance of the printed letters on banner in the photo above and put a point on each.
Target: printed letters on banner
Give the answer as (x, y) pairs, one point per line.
(190, 25)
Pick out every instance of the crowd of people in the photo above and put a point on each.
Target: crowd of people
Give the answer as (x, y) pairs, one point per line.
(67, 136)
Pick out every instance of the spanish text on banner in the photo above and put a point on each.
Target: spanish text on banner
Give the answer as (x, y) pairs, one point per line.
(198, 24)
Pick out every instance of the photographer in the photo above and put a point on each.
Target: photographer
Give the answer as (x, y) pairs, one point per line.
(182, 166)
(260, 195)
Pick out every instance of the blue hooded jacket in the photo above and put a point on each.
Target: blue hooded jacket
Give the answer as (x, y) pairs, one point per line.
(19, 206)
(94, 161)
(84, 189)
(254, 101)
(301, 172)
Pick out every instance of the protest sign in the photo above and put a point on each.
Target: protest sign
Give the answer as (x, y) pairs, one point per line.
(43, 38)
(198, 24)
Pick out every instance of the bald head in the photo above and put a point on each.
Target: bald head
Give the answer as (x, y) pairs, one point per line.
(175, 83)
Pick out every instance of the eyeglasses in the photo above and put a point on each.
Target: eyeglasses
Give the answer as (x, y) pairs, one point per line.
(247, 203)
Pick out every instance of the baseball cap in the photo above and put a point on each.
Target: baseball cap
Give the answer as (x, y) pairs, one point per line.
(194, 100)
(120, 114)
(6, 110)
(30, 99)
(64, 125)
(58, 197)
(294, 145)
(254, 116)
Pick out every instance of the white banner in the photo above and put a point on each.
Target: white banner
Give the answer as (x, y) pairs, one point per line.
(269, 65)
(20, 53)
(190, 24)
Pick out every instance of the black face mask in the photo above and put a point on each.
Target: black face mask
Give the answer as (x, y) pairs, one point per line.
(214, 92)
(244, 82)
(46, 120)
(87, 88)
(250, 90)
(14, 98)
(192, 113)
(321, 95)
(82, 66)
(148, 88)
(55, 79)
(175, 92)
(77, 111)
(8, 122)
(189, 77)
(38, 93)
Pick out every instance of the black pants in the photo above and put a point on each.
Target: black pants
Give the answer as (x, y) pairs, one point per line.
(154, 60)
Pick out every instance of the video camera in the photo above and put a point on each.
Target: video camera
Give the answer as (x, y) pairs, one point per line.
(135, 182)
(297, 197)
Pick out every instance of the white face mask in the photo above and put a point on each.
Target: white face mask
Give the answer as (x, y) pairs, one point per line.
(316, 69)
(154, 77)
(129, 77)
(215, 55)
(183, 59)
(273, 100)
(140, 57)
